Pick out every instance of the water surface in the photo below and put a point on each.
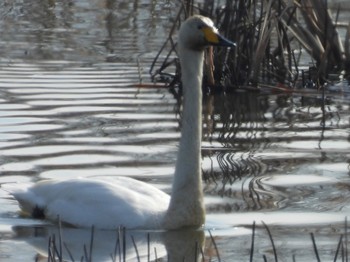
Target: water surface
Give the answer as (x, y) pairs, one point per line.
(71, 105)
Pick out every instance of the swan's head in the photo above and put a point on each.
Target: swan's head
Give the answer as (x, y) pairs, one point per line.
(197, 32)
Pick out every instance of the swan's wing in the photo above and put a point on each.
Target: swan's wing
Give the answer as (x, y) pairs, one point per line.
(86, 202)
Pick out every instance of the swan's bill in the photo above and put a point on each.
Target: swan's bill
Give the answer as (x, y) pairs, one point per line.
(214, 38)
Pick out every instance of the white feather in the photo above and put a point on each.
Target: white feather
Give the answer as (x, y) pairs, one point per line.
(108, 204)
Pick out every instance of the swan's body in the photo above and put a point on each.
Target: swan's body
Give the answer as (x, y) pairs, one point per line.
(130, 203)
(105, 203)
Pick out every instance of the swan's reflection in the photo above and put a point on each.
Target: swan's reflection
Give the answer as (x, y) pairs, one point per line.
(122, 245)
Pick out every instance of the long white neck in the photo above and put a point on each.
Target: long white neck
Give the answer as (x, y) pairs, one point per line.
(186, 204)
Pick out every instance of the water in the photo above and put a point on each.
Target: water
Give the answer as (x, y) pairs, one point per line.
(70, 105)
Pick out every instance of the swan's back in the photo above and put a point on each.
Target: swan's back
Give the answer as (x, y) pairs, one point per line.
(107, 203)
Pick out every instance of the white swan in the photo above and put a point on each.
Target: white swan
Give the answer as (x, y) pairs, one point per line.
(108, 204)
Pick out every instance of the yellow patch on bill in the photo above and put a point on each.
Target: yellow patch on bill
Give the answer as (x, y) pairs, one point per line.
(210, 35)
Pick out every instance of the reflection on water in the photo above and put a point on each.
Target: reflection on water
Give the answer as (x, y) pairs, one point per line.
(82, 30)
(69, 108)
(275, 136)
(274, 158)
(181, 245)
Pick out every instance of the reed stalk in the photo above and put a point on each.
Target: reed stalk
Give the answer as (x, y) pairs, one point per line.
(268, 34)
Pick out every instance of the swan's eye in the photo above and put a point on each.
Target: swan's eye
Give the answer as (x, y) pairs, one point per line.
(200, 27)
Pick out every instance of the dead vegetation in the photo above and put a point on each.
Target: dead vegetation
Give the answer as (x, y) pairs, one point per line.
(288, 44)
(58, 249)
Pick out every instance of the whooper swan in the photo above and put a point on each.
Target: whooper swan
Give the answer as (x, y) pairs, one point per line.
(108, 204)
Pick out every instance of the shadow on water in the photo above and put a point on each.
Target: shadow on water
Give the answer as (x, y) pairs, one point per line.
(121, 245)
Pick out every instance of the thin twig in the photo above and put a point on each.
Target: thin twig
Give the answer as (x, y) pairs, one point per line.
(116, 247)
(60, 238)
(168, 39)
(124, 243)
(86, 255)
(148, 248)
(271, 239)
(91, 242)
(49, 249)
(215, 246)
(202, 253)
(315, 247)
(135, 247)
(346, 239)
(338, 248)
(252, 245)
(68, 251)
